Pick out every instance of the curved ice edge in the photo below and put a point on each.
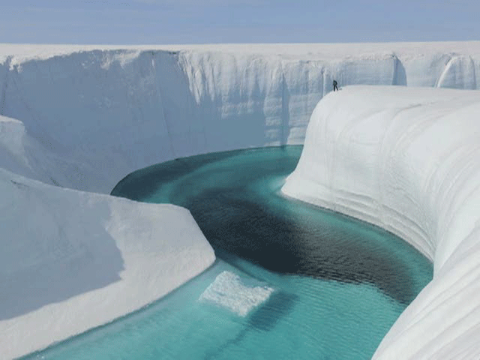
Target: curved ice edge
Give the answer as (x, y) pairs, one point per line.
(83, 260)
(411, 159)
(229, 291)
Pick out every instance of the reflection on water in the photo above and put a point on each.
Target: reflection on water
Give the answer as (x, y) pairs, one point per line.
(339, 284)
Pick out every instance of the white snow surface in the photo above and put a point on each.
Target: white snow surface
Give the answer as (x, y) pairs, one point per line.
(83, 117)
(408, 160)
(229, 291)
(72, 260)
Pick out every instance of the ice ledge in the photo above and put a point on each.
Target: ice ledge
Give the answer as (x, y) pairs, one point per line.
(71, 261)
(408, 160)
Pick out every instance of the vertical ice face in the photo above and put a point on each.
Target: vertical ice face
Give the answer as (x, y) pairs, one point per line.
(12, 147)
(103, 113)
(459, 73)
(407, 160)
(425, 69)
(238, 99)
(3, 84)
(368, 69)
(303, 85)
(91, 103)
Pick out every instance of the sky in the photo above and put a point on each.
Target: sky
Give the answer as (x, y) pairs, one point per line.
(152, 22)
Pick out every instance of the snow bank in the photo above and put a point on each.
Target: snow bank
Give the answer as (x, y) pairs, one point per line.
(100, 113)
(71, 260)
(407, 160)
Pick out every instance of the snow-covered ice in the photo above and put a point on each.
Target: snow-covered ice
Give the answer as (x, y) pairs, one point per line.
(228, 291)
(83, 117)
(72, 260)
(407, 160)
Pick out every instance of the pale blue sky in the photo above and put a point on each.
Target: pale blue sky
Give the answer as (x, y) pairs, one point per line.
(236, 21)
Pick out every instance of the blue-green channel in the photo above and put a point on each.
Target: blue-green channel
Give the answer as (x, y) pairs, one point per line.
(338, 284)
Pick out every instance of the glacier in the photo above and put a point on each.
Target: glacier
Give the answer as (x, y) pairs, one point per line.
(74, 120)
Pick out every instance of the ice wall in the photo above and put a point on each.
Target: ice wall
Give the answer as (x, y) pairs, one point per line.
(100, 113)
(407, 160)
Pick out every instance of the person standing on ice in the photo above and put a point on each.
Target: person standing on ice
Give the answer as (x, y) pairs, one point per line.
(335, 85)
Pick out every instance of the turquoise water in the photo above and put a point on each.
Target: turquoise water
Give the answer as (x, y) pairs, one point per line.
(338, 284)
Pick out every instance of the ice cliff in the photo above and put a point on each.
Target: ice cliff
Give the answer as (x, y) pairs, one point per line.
(407, 160)
(97, 114)
(83, 117)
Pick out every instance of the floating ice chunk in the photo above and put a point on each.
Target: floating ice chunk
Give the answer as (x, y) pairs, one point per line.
(229, 292)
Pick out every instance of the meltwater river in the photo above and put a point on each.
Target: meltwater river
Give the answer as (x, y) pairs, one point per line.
(292, 281)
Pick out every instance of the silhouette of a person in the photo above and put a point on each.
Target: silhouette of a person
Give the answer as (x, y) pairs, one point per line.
(335, 85)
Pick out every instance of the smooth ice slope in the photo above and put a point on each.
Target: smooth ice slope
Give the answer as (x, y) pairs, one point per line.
(99, 113)
(71, 260)
(407, 160)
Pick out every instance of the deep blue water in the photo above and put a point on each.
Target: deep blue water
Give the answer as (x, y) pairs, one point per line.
(338, 284)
